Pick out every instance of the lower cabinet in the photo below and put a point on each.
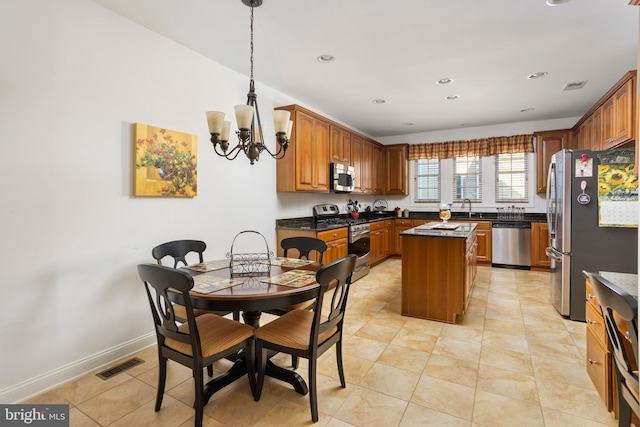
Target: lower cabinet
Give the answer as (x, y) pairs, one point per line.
(336, 239)
(539, 243)
(599, 364)
(337, 244)
(399, 225)
(380, 240)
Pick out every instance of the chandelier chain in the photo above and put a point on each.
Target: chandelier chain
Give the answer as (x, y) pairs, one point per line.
(251, 43)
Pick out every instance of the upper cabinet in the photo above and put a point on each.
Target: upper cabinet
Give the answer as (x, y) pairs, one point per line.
(340, 146)
(396, 158)
(317, 141)
(548, 143)
(305, 167)
(611, 122)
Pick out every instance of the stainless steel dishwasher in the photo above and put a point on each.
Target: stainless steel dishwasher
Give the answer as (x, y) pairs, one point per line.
(511, 244)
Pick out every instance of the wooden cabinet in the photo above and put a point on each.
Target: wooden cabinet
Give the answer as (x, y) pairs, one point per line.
(438, 276)
(547, 143)
(337, 244)
(305, 167)
(483, 236)
(540, 241)
(400, 225)
(396, 158)
(612, 121)
(618, 120)
(357, 161)
(380, 240)
(599, 363)
(336, 239)
(378, 169)
(340, 146)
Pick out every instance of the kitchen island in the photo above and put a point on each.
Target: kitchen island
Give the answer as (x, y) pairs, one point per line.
(438, 270)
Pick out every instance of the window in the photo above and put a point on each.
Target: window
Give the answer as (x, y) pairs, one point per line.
(467, 179)
(512, 178)
(427, 178)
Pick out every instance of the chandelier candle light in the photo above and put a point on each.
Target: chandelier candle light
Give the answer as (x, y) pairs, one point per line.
(251, 131)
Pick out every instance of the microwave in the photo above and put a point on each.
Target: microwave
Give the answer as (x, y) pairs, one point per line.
(342, 177)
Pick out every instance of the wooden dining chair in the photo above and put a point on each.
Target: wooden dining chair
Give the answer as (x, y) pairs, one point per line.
(304, 245)
(196, 343)
(309, 333)
(178, 251)
(620, 313)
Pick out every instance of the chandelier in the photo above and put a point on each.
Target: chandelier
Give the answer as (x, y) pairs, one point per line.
(250, 130)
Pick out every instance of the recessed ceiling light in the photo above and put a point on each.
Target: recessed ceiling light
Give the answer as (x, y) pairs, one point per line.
(526, 110)
(538, 75)
(379, 101)
(325, 59)
(556, 2)
(452, 97)
(444, 81)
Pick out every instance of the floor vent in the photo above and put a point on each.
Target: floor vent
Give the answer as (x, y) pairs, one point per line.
(113, 371)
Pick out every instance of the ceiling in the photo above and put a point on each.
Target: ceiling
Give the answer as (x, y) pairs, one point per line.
(398, 50)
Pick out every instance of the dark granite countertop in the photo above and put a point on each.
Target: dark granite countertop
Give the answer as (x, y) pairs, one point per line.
(307, 223)
(625, 281)
(462, 230)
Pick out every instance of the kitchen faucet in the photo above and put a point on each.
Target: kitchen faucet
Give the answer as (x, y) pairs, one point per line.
(467, 201)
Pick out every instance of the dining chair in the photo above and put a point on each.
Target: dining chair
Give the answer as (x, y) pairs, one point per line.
(196, 343)
(620, 313)
(178, 251)
(304, 245)
(309, 333)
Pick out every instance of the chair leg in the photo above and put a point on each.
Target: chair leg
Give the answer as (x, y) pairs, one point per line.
(199, 402)
(210, 370)
(313, 393)
(262, 365)
(295, 361)
(162, 379)
(236, 316)
(339, 360)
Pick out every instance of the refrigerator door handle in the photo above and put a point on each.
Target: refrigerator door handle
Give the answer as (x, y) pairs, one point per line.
(551, 203)
(552, 253)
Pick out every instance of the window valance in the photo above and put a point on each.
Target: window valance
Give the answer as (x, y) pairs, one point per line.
(474, 147)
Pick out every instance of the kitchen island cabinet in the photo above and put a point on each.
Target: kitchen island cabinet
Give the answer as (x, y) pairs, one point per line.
(438, 271)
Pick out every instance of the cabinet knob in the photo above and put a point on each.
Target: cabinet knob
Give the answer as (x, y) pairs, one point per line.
(593, 362)
(589, 296)
(592, 322)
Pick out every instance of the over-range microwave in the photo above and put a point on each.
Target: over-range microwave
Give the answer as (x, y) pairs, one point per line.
(342, 177)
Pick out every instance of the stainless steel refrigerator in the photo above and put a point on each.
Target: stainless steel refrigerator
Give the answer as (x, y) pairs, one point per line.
(577, 241)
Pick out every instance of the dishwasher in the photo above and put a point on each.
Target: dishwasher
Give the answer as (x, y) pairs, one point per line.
(511, 245)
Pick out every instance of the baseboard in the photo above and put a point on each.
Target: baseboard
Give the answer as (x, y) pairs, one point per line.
(64, 374)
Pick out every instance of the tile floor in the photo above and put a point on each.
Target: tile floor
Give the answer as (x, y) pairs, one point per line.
(510, 361)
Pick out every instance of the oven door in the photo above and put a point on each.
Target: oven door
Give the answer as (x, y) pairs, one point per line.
(360, 245)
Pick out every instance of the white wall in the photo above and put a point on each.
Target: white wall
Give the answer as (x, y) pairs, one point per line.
(74, 78)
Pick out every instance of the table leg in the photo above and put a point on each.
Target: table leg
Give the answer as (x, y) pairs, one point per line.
(238, 370)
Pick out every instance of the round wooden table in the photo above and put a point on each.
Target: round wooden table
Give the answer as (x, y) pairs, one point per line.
(252, 297)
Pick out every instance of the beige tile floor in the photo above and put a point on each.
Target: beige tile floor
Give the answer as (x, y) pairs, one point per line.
(510, 361)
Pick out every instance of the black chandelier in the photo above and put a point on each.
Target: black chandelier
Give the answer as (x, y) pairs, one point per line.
(250, 130)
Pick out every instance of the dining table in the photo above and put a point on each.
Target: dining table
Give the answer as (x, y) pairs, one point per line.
(283, 282)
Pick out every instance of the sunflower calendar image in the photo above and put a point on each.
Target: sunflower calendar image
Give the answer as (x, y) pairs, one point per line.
(617, 189)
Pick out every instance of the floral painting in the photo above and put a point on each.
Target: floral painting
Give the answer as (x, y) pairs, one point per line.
(165, 162)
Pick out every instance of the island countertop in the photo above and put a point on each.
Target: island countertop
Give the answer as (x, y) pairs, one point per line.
(462, 230)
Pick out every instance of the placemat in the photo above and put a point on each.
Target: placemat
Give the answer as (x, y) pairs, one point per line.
(289, 262)
(206, 284)
(293, 278)
(218, 264)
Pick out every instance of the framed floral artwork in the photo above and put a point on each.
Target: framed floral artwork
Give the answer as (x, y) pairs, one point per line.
(165, 162)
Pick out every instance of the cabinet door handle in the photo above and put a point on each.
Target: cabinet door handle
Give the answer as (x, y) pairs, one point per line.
(593, 362)
(592, 322)
(589, 296)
